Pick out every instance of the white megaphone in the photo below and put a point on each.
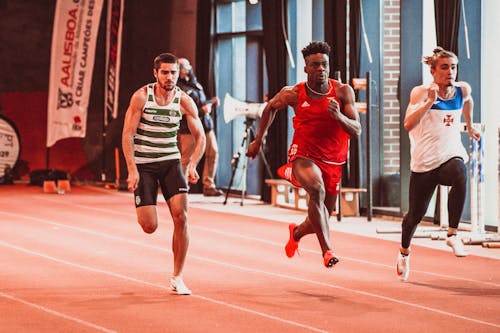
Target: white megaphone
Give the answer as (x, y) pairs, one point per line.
(234, 108)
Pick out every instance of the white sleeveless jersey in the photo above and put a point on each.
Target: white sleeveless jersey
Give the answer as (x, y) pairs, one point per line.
(156, 136)
(436, 138)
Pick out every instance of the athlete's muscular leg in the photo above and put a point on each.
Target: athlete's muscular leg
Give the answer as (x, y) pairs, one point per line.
(453, 173)
(147, 218)
(422, 186)
(180, 239)
(309, 175)
(305, 228)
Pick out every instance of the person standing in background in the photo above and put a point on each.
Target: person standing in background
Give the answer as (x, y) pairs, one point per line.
(190, 85)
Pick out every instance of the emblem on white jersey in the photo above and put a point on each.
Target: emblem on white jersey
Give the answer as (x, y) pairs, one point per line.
(305, 104)
(448, 120)
(162, 119)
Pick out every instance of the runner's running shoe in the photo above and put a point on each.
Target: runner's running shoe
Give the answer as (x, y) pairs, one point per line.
(178, 286)
(403, 266)
(292, 246)
(330, 259)
(457, 245)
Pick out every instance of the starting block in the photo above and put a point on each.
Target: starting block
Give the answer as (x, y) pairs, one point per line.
(49, 186)
(60, 187)
(63, 185)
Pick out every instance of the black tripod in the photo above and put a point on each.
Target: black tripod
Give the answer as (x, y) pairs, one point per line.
(248, 135)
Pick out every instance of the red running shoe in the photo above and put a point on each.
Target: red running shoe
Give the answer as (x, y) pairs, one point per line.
(292, 244)
(330, 259)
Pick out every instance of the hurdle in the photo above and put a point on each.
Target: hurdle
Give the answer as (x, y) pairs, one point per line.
(478, 235)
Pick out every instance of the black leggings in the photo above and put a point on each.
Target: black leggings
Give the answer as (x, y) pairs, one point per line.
(422, 185)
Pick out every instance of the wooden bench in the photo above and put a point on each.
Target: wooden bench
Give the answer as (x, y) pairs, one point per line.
(286, 195)
(349, 199)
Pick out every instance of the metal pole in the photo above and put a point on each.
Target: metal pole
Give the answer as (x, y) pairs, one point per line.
(243, 181)
(368, 148)
(480, 186)
(337, 76)
(47, 157)
(234, 165)
(103, 159)
(236, 160)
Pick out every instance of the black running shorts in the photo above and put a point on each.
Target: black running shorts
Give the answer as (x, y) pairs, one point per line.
(168, 174)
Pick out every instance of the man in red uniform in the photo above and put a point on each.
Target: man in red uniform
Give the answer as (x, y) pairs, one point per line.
(325, 118)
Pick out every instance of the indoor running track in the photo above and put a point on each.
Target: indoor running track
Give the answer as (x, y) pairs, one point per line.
(80, 263)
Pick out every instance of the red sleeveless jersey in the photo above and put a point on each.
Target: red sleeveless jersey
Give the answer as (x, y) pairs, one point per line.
(316, 134)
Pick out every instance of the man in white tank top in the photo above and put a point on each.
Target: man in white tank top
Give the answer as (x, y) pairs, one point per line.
(437, 154)
(149, 143)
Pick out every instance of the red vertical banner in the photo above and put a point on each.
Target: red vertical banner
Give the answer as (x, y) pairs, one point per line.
(74, 37)
(114, 25)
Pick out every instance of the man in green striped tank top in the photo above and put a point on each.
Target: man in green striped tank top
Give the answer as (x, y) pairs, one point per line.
(149, 142)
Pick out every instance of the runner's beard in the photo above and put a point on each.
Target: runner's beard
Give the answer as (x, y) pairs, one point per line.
(167, 88)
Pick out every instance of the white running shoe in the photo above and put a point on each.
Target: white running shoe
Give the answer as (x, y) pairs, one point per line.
(457, 245)
(403, 266)
(178, 286)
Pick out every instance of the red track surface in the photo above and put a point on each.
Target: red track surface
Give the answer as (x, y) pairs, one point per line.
(80, 263)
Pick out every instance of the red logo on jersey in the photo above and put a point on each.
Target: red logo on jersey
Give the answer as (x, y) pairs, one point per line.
(77, 123)
(448, 120)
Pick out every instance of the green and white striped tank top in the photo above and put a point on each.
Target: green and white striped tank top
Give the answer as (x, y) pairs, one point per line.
(156, 137)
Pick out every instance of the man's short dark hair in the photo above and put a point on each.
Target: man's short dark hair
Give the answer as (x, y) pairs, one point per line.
(316, 47)
(168, 58)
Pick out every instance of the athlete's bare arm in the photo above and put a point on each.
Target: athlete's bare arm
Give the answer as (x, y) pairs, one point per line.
(421, 100)
(132, 118)
(468, 109)
(348, 116)
(287, 96)
(190, 112)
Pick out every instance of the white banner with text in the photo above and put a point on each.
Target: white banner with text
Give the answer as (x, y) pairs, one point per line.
(74, 37)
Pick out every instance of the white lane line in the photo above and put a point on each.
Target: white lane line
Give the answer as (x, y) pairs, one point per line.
(55, 313)
(240, 236)
(391, 267)
(146, 283)
(283, 276)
